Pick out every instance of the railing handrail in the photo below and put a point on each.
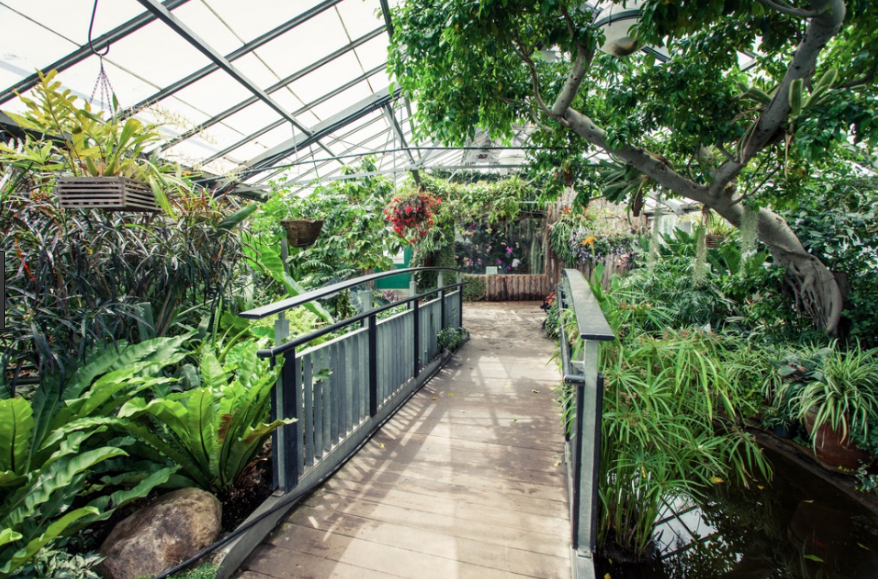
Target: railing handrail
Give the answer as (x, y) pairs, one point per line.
(590, 318)
(289, 303)
(295, 343)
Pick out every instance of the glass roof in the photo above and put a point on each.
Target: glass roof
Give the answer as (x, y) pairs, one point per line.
(243, 90)
(238, 87)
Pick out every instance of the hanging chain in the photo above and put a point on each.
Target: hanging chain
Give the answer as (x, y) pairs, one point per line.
(103, 89)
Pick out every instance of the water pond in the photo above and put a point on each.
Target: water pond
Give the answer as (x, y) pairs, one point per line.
(798, 527)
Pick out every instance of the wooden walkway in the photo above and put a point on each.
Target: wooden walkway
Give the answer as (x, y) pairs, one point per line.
(466, 481)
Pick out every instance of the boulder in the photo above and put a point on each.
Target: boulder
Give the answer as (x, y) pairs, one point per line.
(159, 536)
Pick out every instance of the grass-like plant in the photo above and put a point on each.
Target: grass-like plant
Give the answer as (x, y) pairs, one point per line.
(843, 391)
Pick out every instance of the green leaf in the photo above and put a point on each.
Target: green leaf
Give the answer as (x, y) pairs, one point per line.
(16, 428)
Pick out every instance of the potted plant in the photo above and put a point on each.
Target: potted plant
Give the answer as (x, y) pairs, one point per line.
(99, 162)
(842, 396)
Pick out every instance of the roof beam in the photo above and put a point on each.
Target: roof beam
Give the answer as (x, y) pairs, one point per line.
(276, 170)
(280, 122)
(221, 61)
(266, 160)
(234, 55)
(273, 88)
(397, 130)
(84, 52)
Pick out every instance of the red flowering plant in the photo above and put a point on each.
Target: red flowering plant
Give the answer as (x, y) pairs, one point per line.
(412, 216)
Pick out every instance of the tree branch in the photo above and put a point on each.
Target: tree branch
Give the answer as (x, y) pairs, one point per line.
(864, 80)
(577, 71)
(785, 8)
(648, 164)
(821, 28)
(522, 50)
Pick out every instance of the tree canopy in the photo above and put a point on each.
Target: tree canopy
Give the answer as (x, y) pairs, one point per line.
(702, 126)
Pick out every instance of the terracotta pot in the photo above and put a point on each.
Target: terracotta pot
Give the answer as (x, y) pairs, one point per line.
(833, 451)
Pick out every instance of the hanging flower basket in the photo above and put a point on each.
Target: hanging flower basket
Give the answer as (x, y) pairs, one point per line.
(302, 232)
(110, 193)
(412, 217)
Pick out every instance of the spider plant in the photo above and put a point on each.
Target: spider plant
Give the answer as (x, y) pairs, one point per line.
(844, 390)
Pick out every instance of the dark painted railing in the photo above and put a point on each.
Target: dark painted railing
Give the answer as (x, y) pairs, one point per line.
(580, 370)
(341, 390)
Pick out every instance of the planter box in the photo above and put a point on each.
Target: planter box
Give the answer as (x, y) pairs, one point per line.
(111, 193)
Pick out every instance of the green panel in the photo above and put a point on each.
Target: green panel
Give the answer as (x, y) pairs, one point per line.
(397, 281)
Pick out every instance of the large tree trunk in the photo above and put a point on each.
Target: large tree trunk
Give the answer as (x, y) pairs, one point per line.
(816, 288)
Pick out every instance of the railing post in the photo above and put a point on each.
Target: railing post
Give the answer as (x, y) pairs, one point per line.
(589, 403)
(291, 378)
(366, 301)
(373, 365)
(441, 302)
(459, 301)
(279, 436)
(416, 327)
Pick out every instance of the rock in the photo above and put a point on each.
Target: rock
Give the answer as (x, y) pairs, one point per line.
(158, 537)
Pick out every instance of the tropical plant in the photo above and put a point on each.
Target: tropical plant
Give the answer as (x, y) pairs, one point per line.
(56, 448)
(452, 338)
(211, 432)
(78, 141)
(75, 279)
(355, 236)
(59, 564)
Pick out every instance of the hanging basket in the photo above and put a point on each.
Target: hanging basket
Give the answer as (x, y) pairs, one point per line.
(302, 232)
(110, 193)
(713, 241)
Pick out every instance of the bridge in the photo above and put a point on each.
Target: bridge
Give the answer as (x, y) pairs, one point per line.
(408, 460)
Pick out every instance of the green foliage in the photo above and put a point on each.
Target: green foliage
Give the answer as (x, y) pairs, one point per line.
(452, 338)
(211, 432)
(835, 224)
(75, 279)
(78, 141)
(843, 391)
(56, 448)
(354, 235)
(59, 564)
(475, 290)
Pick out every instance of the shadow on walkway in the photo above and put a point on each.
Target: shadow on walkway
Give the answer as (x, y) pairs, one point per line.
(465, 481)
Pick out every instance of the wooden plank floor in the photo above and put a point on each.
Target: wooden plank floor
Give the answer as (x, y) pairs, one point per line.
(465, 481)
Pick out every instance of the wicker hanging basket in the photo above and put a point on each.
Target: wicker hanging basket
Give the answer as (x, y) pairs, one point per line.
(302, 232)
(110, 193)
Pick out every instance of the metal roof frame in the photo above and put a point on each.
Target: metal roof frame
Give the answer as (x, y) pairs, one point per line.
(234, 55)
(222, 62)
(84, 52)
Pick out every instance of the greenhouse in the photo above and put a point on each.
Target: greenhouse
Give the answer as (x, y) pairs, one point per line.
(454, 289)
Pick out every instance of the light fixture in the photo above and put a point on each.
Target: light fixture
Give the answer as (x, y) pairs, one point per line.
(616, 20)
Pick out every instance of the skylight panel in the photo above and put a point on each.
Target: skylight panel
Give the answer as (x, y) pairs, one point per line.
(207, 25)
(373, 53)
(332, 74)
(360, 17)
(255, 17)
(214, 93)
(343, 100)
(252, 118)
(70, 18)
(26, 46)
(304, 45)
